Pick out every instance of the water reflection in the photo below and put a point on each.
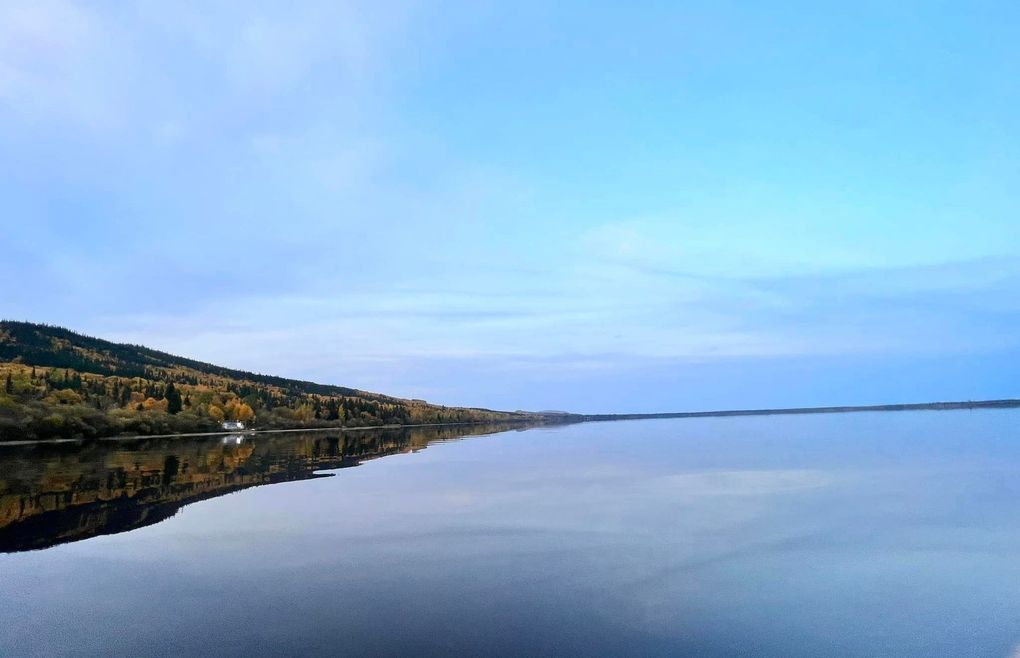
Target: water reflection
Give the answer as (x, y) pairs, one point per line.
(853, 535)
(64, 492)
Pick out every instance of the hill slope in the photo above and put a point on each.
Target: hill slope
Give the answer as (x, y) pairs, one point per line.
(58, 383)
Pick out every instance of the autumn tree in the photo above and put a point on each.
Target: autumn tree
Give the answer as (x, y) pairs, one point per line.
(244, 412)
(237, 410)
(215, 413)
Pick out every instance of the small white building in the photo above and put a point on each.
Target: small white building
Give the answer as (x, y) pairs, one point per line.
(233, 425)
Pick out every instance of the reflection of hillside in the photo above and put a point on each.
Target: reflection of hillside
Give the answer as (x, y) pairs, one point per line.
(56, 493)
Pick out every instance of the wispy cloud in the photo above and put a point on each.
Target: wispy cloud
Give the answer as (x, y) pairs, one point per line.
(367, 193)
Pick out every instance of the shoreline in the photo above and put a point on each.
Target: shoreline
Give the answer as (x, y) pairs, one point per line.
(187, 435)
(570, 419)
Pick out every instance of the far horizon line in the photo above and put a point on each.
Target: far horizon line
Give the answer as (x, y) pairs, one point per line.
(1003, 403)
(766, 411)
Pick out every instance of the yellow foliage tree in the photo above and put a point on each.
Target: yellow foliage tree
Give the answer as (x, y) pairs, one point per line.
(237, 410)
(306, 412)
(215, 413)
(66, 396)
(243, 412)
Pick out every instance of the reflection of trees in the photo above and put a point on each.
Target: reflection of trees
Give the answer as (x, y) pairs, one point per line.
(56, 493)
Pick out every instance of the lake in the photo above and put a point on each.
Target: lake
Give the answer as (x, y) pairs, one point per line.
(860, 534)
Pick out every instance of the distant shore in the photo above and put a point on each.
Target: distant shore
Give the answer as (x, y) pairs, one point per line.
(919, 406)
(566, 418)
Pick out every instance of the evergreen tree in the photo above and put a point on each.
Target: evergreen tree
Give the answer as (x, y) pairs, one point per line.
(173, 399)
(9, 385)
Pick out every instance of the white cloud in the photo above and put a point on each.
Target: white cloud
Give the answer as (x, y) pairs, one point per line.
(153, 138)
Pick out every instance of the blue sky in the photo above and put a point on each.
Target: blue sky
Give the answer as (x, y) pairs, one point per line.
(584, 206)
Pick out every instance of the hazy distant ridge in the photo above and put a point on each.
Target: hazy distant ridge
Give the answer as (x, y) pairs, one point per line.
(918, 406)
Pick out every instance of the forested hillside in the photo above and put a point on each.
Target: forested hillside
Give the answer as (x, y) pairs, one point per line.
(57, 383)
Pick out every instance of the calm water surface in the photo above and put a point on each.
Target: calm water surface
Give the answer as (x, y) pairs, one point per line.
(890, 534)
